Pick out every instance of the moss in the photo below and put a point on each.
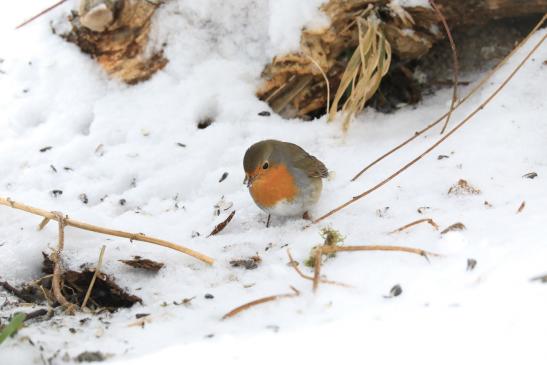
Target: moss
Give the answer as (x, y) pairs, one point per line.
(331, 237)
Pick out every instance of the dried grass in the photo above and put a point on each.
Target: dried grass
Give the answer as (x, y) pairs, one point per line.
(364, 72)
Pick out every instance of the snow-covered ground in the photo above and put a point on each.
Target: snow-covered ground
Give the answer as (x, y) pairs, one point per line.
(53, 95)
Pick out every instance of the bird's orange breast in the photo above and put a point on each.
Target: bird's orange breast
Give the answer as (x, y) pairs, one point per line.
(274, 185)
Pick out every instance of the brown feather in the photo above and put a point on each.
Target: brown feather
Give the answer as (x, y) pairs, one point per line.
(307, 162)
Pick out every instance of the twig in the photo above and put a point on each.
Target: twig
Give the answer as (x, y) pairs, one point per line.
(441, 140)
(330, 249)
(43, 223)
(35, 314)
(40, 14)
(294, 264)
(272, 298)
(406, 226)
(317, 267)
(418, 251)
(18, 293)
(89, 227)
(38, 281)
(455, 65)
(97, 271)
(463, 100)
(48, 301)
(326, 81)
(219, 227)
(57, 271)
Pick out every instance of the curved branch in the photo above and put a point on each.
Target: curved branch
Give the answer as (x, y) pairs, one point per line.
(112, 232)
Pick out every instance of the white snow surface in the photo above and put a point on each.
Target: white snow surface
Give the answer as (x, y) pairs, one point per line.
(53, 95)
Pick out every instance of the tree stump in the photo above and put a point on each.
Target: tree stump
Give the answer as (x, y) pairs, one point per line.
(115, 33)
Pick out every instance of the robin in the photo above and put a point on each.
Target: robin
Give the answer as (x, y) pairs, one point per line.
(282, 178)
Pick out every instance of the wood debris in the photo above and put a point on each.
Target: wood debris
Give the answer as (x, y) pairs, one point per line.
(462, 187)
(250, 263)
(119, 42)
(142, 263)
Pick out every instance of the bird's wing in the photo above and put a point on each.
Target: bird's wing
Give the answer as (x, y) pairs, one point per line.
(305, 161)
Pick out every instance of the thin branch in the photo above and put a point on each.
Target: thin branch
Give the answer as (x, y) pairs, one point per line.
(294, 264)
(57, 270)
(89, 227)
(40, 14)
(35, 314)
(97, 271)
(425, 220)
(272, 298)
(330, 249)
(455, 65)
(43, 223)
(463, 100)
(317, 267)
(48, 301)
(417, 251)
(441, 140)
(18, 293)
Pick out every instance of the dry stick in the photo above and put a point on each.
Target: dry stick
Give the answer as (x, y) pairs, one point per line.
(56, 258)
(40, 14)
(43, 223)
(294, 264)
(18, 293)
(97, 270)
(417, 251)
(463, 100)
(441, 140)
(46, 297)
(317, 267)
(35, 314)
(455, 64)
(328, 249)
(272, 298)
(89, 227)
(406, 226)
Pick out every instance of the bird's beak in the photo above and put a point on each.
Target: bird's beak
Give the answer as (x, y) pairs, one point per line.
(248, 180)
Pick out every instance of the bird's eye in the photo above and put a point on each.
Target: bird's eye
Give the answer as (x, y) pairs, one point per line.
(266, 165)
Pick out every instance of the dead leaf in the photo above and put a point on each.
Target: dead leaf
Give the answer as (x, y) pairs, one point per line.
(454, 227)
(219, 227)
(145, 264)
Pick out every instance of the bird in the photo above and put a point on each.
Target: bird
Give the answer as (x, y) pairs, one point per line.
(283, 179)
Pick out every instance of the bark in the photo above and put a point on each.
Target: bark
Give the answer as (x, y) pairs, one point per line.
(115, 33)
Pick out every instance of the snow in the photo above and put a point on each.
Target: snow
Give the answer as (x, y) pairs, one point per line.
(410, 3)
(288, 18)
(121, 143)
